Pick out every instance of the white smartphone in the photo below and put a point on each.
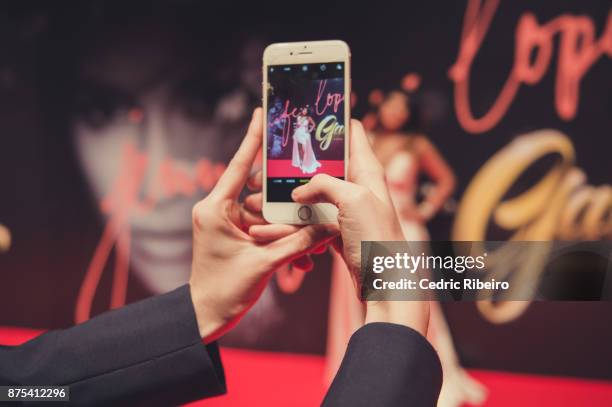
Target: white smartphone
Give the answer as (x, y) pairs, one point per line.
(306, 102)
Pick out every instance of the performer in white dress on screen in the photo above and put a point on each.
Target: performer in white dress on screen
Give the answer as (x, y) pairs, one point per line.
(303, 155)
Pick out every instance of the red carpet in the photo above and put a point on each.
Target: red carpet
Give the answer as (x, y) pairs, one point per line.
(277, 379)
(284, 169)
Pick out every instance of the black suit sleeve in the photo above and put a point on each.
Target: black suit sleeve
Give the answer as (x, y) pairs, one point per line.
(386, 365)
(150, 351)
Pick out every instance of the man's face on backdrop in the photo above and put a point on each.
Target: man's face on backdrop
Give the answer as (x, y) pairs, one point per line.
(143, 89)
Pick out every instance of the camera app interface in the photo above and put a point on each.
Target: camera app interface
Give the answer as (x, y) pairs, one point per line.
(305, 127)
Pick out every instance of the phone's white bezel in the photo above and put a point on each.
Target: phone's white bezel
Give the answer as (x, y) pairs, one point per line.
(308, 52)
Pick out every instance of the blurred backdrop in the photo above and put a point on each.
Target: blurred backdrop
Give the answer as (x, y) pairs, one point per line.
(116, 117)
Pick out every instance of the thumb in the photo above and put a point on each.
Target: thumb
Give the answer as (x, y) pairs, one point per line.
(296, 244)
(323, 188)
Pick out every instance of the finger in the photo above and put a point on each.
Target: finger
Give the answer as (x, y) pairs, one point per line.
(319, 249)
(237, 172)
(249, 218)
(264, 232)
(338, 245)
(296, 244)
(254, 202)
(324, 188)
(303, 263)
(255, 181)
(270, 232)
(364, 167)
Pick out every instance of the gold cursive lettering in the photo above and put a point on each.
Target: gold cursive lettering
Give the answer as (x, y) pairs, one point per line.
(327, 129)
(559, 206)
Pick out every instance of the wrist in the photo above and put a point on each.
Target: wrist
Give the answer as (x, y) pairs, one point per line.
(210, 325)
(413, 314)
(397, 236)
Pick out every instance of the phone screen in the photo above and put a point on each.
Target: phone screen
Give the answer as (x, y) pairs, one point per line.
(305, 125)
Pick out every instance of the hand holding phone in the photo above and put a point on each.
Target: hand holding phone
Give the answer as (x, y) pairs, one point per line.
(367, 215)
(367, 211)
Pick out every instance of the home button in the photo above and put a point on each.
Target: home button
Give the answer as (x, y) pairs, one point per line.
(304, 213)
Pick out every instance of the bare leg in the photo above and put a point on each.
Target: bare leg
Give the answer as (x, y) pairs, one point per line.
(302, 153)
(346, 315)
(458, 387)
